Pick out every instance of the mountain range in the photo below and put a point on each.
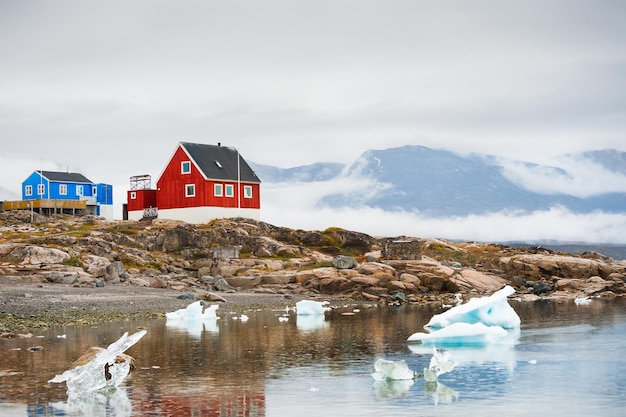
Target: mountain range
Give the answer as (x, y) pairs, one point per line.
(439, 182)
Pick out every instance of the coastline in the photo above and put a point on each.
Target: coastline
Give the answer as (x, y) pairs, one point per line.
(25, 307)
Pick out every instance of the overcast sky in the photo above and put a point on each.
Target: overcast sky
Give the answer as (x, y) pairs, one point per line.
(108, 88)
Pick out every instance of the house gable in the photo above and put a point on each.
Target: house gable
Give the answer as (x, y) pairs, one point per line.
(199, 175)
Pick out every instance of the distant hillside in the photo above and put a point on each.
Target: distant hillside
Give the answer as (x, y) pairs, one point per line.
(616, 252)
(6, 195)
(443, 183)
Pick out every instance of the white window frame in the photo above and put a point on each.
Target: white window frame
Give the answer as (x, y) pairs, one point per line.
(185, 167)
(247, 191)
(218, 190)
(28, 190)
(80, 191)
(229, 190)
(190, 190)
(62, 189)
(94, 191)
(41, 189)
(133, 195)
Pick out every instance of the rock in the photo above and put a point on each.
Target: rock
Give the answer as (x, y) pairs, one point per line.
(245, 283)
(114, 271)
(344, 262)
(542, 288)
(470, 279)
(59, 277)
(222, 284)
(187, 296)
(157, 282)
(37, 255)
(211, 296)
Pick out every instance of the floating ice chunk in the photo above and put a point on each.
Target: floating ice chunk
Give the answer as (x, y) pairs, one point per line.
(311, 308)
(582, 300)
(440, 364)
(194, 311)
(462, 334)
(490, 311)
(243, 318)
(392, 370)
(310, 322)
(283, 318)
(103, 371)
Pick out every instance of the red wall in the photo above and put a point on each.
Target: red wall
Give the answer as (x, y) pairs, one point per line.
(171, 188)
(143, 199)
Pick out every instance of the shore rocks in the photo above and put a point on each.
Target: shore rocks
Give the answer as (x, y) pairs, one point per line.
(244, 255)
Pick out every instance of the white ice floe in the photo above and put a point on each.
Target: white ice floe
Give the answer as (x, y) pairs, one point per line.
(490, 311)
(311, 308)
(194, 311)
(92, 377)
(462, 334)
(582, 300)
(392, 370)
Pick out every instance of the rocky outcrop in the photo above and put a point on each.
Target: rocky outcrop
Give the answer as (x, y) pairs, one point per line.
(245, 255)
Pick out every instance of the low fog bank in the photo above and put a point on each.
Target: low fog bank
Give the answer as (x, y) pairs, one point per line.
(297, 206)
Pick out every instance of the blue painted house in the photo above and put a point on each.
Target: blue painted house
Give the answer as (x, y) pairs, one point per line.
(67, 186)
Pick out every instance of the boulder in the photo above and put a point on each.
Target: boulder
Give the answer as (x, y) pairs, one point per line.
(470, 279)
(38, 255)
(344, 262)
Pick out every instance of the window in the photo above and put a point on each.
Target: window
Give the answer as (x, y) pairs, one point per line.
(94, 191)
(63, 189)
(185, 167)
(79, 190)
(190, 190)
(28, 190)
(133, 195)
(247, 191)
(217, 190)
(41, 189)
(230, 190)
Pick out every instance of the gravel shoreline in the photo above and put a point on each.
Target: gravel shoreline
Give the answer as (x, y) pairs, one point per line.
(25, 307)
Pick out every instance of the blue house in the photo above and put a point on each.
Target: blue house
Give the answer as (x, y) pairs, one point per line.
(69, 186)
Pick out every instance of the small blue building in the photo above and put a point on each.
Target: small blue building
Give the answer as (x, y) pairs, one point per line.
(66, 186)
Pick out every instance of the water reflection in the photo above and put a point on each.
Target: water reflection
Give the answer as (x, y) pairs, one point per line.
(265, 367)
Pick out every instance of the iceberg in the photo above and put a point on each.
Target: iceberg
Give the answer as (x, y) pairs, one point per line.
(194, 311)
(490, 311)
(462, 334)
(106, 370)
(311, 308)
(392, 370)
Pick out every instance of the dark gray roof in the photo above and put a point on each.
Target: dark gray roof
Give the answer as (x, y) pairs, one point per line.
(220, 162)
(65, 177)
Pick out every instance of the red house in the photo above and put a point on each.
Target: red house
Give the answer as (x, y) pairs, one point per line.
(199, 183)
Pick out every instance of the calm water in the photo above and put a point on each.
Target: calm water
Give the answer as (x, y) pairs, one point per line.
(570, 360)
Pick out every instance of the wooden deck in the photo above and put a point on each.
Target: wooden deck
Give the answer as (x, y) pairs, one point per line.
(47, 206)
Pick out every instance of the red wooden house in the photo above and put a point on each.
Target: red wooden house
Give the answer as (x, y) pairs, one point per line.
(200, 183)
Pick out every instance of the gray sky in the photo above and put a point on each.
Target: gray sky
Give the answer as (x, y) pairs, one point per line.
(108, 88)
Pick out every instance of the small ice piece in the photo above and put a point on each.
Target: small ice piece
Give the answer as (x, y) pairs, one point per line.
(194, 312)
(440, 364)
(392, 370)
(92, 377)
(243, 318)
(582, 300)
(62, 336)
(491, 311)
(533, 361)
(311, 308)
(462, 334)
(283, 318)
